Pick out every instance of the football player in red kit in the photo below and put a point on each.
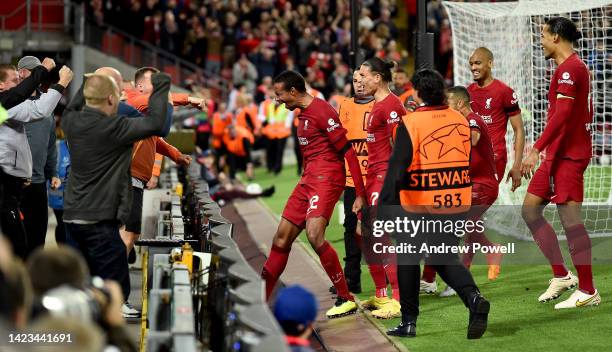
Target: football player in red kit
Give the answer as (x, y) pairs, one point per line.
(497, 104)
(559, 179)
(376, 75)
(324, 147)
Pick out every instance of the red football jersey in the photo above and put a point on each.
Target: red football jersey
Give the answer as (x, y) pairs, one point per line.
(319, 127)
(495, 103)
(571, 79)
(482, 163)
(385, 115)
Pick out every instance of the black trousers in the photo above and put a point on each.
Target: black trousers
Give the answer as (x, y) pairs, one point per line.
(448, 266)
(10, 217)
(239, 163)
(35, 215)
(274, 154)
(103, 249)
(60, 229)
(352, 260)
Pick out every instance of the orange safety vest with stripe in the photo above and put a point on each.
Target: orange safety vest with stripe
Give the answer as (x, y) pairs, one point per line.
(438, 178)
(353, 117)
(407, 95)
(250, 113)
(277, 119)
(235, 145)
(220, 123)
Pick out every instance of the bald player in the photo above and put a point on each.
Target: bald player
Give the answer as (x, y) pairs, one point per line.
(98, 192)
(496, 104)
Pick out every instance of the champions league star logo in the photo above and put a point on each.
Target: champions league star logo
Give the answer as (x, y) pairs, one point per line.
(444, 140)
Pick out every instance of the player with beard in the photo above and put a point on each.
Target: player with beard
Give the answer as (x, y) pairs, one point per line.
(324, 147)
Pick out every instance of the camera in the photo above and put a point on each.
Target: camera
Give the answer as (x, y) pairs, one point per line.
(84, 305)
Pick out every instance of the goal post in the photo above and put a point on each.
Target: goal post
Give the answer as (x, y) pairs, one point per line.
(512, 31)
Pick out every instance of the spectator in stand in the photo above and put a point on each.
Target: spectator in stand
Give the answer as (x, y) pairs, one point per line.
(41, 139)
(152, 28)
(15, 291)
(145, 164)
(266, 61)
(16, 159)
(245, 73)
(295, 310)
(214, 44)
(98, 193)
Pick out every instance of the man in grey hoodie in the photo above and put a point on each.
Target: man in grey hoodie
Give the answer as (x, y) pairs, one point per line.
(41, 138)
(98, 195)
(15, 155)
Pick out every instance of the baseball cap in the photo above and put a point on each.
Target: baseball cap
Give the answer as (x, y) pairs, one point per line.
(295, 304)
(28, 62)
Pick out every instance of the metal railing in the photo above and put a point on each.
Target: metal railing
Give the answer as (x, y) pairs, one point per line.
(138, 53)
(33, 13)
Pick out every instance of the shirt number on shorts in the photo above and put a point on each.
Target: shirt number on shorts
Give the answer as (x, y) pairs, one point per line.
(374, 198)
(313, 203)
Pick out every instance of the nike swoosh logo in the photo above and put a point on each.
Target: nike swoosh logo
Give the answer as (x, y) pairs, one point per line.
(582, 303)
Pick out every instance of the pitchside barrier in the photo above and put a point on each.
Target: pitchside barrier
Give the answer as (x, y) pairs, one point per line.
(199, 292)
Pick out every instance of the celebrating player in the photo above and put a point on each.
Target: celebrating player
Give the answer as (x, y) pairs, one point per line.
(497, 103)
(559, 179)
(353, 116)
(386, 114)
(324, 145)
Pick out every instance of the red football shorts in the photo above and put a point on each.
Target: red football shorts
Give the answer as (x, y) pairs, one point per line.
(482, 198)
(559, 181)
(311, 200)
(500, 167)
(374, 184)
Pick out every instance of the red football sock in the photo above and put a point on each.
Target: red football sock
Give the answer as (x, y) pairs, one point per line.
(331, 264)
(478, 237)
(391, 270)
(429, 273)
(274, 267)
(546, 238)
(377, 271)
(580, 248)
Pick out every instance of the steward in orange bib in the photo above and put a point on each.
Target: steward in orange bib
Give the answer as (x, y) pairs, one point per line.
(403, 88)
(221, 119)
(276, 129)
(428, 176)
(238, 142)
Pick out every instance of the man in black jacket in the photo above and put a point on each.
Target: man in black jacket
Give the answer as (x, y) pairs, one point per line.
(17, 94)
(98, 198)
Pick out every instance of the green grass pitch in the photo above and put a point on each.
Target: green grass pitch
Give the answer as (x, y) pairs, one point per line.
(517, 321)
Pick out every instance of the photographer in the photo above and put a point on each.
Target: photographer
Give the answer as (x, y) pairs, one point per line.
(61, 273)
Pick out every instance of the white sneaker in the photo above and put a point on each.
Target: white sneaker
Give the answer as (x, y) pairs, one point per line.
(448, 291)
(580, 299)
(557, 286)
(129, 312)
(428, 287)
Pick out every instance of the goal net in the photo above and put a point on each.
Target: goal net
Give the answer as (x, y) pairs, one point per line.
(512, 31)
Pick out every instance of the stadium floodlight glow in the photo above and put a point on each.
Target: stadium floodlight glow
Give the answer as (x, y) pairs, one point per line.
(511, 30)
